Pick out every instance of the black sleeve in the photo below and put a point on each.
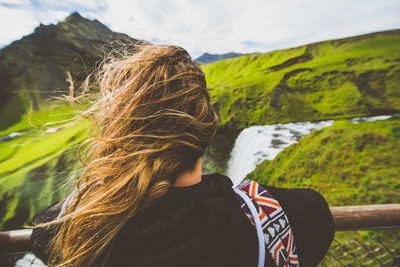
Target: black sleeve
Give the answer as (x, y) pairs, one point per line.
(41, 237)
(311, 221)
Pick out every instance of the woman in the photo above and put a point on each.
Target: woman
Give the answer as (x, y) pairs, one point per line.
(142, 200)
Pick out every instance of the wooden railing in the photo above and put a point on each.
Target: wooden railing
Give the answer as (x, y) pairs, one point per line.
(15, 241)
(346, 218)
(366, 217)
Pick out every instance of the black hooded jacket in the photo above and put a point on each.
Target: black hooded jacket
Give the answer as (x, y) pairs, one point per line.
(203, 225)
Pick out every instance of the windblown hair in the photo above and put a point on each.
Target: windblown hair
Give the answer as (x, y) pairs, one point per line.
(155, 120)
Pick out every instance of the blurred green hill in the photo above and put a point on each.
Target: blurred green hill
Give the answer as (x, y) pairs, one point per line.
(37, 166)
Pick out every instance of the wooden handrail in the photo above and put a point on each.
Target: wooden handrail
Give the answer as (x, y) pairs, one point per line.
(346, 218)
(15, 241)
(366, 217)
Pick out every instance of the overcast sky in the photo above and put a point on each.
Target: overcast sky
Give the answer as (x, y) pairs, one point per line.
(215, 26)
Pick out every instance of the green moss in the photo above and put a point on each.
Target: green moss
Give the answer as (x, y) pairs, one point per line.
(343, 98)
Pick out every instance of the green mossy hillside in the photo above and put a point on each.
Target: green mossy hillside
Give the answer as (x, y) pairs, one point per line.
(332, 79)
(348, 163)
(356, 76)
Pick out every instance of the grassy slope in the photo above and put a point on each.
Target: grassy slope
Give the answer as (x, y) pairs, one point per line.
(50, 113)
(359, 163)
(35, 168)
(334, 79)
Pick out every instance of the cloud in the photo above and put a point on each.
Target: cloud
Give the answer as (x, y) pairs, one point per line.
(248, 26)
(20, 17)
(15, 28)
(218, 26)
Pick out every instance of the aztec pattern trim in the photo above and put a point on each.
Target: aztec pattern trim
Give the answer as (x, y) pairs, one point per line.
(278, 236)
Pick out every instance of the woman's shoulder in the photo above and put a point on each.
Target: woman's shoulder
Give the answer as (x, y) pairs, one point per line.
(304, 203)
(303, 197)
(218, 179)
(311, 221)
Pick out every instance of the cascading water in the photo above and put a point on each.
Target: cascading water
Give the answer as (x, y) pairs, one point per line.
(258, 143)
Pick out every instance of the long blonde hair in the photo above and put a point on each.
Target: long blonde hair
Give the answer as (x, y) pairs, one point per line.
(155, 120)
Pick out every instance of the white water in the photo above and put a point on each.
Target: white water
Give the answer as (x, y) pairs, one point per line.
(10, 136)
(258, 143)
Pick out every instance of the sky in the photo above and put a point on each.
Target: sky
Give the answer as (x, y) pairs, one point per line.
(213, 26)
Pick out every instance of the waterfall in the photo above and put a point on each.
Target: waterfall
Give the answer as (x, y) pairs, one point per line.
(258, 143)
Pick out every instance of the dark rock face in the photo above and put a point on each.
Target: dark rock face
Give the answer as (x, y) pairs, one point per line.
(34, 68)
(222, 144)
(371, 83)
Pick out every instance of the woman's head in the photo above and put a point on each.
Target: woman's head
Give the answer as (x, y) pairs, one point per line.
(157, 99)
(155, 120)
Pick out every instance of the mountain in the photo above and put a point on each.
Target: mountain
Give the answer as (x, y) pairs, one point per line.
(207, 58)
(35, 67)
(349, 77)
